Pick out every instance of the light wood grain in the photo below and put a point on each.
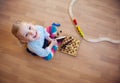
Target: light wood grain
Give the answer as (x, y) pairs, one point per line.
(95, 62)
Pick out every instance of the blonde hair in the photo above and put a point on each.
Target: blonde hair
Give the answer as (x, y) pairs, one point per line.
(15, 29)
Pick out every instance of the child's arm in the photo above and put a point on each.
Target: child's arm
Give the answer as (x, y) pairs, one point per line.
(39, 51)
(52, 43)
(49, 39)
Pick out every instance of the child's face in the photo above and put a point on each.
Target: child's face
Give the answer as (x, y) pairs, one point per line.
(28, 32)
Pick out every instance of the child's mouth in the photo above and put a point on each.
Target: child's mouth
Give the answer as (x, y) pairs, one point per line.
(35, 35)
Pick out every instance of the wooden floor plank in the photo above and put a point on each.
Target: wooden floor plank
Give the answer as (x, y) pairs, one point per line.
(95, 62)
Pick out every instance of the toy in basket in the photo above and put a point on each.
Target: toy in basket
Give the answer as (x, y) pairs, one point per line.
(69, 46)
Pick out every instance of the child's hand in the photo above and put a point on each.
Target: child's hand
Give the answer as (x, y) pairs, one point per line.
(49, 39)
(54, 42)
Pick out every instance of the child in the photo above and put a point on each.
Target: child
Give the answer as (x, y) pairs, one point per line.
(36, 36)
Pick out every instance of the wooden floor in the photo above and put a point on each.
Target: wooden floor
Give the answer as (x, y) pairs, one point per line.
(95, 62)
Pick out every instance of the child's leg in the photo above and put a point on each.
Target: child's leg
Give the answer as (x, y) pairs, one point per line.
(52, 30)
(49, 57)
(53, 50)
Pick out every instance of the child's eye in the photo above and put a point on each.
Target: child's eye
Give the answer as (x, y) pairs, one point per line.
(26, 35)
(29, 27)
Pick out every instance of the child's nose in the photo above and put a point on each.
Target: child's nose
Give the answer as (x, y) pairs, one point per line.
(30, 32)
